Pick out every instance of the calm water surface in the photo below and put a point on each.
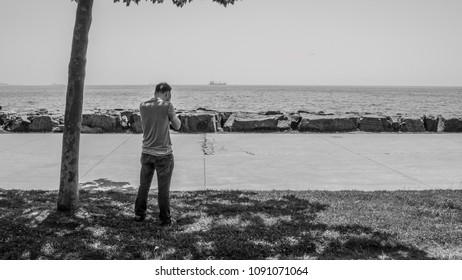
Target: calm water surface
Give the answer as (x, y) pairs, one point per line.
(388, 100)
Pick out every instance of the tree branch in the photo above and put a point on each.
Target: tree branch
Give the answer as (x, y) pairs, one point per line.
(178, 3)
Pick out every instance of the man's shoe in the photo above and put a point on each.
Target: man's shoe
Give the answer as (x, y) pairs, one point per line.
(167, 223)
(139, 218)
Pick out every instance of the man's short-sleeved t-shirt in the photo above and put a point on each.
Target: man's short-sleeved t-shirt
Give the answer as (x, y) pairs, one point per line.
(155, 121)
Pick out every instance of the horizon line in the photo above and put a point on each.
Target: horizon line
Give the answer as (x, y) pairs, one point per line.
(308, 85)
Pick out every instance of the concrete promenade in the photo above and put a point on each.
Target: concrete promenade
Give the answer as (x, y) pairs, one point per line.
(250, 161)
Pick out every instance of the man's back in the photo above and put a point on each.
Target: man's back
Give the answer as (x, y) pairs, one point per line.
(155, 120)
(156, 116)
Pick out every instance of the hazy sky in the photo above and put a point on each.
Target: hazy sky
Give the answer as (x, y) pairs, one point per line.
(302, 42)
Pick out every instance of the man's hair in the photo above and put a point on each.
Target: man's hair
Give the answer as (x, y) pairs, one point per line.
(163, 88)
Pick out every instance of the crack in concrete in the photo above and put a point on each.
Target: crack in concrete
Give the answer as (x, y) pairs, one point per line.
(208, 146)
(207, 149)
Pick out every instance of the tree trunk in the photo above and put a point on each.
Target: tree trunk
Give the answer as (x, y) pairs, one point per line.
(69, 182)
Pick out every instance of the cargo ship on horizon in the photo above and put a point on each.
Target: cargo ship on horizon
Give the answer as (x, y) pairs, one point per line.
(215, 83)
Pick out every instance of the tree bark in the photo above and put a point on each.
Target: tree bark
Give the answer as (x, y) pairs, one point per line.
(68, 198)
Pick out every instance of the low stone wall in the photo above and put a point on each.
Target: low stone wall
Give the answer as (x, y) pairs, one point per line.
(209, 121)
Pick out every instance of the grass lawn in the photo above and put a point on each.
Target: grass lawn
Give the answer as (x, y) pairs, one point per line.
(236, 225)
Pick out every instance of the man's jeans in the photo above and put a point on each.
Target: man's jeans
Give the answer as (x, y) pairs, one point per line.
(164, 167)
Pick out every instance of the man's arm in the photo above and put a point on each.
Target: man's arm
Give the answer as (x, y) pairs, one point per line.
(174, 120)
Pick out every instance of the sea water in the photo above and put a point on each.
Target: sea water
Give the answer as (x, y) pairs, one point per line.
(388, 100)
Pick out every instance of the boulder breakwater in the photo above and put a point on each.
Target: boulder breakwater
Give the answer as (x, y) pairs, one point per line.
(204, 120)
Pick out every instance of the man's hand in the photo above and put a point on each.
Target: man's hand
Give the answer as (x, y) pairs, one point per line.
(168, 96)
(175, 122)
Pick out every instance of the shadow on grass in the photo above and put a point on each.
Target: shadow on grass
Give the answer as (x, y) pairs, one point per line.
(211, 225)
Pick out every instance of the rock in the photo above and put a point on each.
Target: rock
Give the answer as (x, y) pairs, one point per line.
(194, 122)
(389, 124)
(59, 128)
(327, 123)
(18, 124)
(38, 112)
(127, 113)
(393, 122)
(306, 112)
(132, 121)
(3, 118)
(41, 123)
(322, 113)
(124, 122)
(430, 123)
(294, 119)
(42, 111)
(223, 118)
(110, 112)
(440, 126)
(91, 130)
(105, 122)
(284, 125)
(125, 116)
(135, 123)
(115, 113)
(411, 124)
(452, 124)
(270, 113)
(374, 123)
(57, 119)
(244, 121)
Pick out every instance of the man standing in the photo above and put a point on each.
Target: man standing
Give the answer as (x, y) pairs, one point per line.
(157, 114)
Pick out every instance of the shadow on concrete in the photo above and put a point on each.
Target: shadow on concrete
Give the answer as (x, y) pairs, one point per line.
(104, 184)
